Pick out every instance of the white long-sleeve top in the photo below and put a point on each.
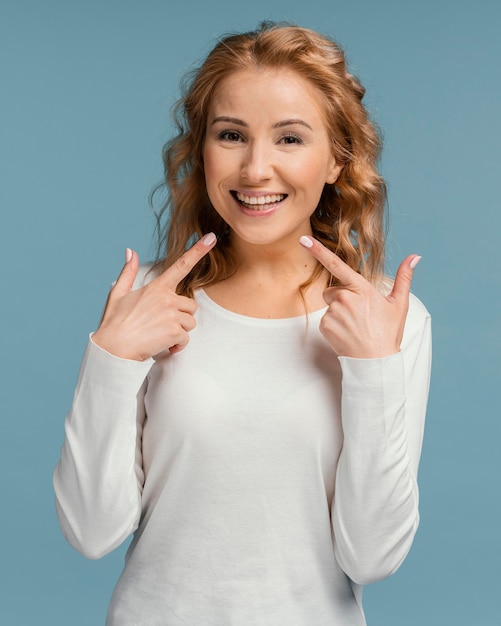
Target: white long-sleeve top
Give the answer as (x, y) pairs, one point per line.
(265, 479)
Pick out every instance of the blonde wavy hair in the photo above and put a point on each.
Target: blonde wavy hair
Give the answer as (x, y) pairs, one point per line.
(349, 218)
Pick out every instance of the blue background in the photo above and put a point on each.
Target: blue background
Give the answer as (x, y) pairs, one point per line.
(86, 89)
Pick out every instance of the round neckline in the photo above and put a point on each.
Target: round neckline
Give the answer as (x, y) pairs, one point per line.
(260, 321)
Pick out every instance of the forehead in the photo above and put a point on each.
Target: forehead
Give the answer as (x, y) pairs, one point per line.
(265, 92)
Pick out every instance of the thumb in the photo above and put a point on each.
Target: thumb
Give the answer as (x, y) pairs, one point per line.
(403, 278)
(125, 280)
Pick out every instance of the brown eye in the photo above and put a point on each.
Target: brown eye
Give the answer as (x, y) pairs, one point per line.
(291, 139)
(229, 135)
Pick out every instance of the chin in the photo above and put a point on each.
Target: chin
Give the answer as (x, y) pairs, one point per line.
(265, 238)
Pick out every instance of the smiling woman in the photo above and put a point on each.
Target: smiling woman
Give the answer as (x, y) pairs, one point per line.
(265, 461)
(349, 215)
(276, 146)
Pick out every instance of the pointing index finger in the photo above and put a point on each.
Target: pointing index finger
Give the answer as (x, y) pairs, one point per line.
(332, 263)
(174, 274)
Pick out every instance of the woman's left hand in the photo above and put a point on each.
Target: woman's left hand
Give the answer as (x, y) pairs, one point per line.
(361, 322)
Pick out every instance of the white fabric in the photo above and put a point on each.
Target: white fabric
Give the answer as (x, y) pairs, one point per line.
(266, 480)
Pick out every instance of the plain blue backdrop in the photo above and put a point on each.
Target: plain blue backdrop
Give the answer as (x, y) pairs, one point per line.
(86, 89)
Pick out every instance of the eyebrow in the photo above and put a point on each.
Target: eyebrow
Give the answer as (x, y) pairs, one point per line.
(291, 123)
(231, 120)
(281, 124)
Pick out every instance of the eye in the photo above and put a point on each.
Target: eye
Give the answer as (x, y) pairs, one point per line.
(229, 135)
(291, 139)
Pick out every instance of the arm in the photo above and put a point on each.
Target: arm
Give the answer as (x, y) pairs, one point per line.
(98, 480)
(375, 512)
(383, 345)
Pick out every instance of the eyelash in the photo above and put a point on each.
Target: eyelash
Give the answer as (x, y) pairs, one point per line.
(296, 138)
(226, 134)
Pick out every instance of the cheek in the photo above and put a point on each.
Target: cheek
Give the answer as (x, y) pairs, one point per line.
(312, 173)
(214, 167)
(208, 161)
(213, 172)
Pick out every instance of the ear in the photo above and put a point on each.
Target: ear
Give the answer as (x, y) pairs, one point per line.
(333, 172)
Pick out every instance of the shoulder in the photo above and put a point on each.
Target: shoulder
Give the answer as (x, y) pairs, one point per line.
(417, 311)
(417, 329)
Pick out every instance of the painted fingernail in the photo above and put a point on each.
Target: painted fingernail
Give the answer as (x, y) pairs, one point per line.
(128, 254)
(415, 261)
(209, 239)
(306, 241)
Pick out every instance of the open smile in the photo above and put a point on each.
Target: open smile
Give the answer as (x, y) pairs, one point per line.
(259, 203)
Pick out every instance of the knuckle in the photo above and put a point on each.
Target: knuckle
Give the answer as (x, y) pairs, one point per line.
(329, 294)
(187, 304)
(343, 296)
(182, 264)
(167, 297)
(325, 325)
(327, 334)
(331, 264)
(406, 276)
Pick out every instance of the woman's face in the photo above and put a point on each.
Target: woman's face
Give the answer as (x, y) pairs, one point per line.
(267, 154)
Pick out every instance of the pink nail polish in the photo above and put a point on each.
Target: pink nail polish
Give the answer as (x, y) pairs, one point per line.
(415, 261)
(128, 254)
(306, 241)
(208, 239)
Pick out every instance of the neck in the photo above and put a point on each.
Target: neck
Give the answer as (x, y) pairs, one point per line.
(267, 281)
(281, 261)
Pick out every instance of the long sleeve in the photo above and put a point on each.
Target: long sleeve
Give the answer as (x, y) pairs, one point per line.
(375, 511)
(99, 477)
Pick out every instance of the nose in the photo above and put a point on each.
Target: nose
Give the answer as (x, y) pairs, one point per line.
(257, 162)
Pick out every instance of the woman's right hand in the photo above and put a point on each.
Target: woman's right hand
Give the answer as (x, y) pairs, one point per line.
(154, 319)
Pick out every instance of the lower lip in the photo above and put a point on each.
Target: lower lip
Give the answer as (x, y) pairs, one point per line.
(259, 213)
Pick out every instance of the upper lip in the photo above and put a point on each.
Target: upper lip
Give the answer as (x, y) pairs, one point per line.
(258, 199)
(258, 194)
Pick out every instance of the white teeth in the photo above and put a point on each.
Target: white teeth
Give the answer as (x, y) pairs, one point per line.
(260, 199)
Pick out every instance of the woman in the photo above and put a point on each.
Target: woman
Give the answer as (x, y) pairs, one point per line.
(252, 407)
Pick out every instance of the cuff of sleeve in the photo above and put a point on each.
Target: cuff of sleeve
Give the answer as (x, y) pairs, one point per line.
(108, 370)
(372, 389)
(371, 372)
